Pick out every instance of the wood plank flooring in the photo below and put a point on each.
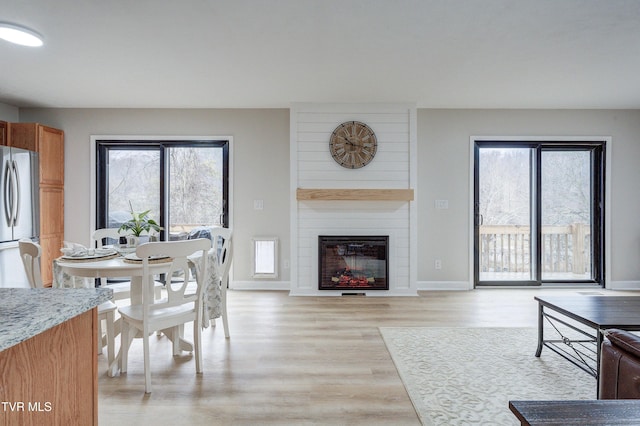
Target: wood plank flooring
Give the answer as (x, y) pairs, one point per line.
(300, 360)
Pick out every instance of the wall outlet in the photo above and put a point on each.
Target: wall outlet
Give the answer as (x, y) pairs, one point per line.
(442, 204)
(258, 204)
(438, 264)
(285, 263)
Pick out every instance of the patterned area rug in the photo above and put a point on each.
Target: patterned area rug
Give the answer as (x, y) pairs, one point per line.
(466, 376)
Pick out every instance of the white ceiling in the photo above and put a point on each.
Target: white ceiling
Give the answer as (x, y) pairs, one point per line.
(270, 53)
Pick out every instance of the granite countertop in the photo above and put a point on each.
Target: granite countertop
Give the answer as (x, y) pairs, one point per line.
(27, 312)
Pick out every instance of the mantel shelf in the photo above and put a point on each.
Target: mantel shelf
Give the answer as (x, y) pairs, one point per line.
(355, 194)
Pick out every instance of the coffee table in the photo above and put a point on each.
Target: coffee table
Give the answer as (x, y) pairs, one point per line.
(585, 318)
(584, 412)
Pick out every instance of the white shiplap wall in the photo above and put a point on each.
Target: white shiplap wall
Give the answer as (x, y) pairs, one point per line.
(313, 167)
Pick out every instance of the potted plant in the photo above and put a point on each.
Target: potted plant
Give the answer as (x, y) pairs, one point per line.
(139, 223)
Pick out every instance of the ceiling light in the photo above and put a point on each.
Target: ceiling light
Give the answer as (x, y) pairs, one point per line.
(20, 35)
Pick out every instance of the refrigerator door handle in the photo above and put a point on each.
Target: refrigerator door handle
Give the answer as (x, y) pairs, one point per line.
(16, 201)
(8, 204)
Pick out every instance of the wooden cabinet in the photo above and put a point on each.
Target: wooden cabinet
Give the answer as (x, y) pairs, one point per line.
(24, 136)
(49, 143)
(51, 150)
(51, 378)
(3, 133)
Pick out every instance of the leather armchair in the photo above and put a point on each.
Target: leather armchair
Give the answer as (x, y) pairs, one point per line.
(620, 365)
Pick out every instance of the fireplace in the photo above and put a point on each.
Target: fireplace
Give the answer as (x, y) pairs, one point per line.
(353, 262)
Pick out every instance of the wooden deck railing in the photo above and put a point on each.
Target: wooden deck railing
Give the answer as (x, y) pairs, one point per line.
(506, 248)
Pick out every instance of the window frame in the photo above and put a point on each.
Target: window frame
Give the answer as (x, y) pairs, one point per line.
(599, 158)
(102, 144)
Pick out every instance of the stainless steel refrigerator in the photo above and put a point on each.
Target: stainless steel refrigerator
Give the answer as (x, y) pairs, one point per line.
(19, 211)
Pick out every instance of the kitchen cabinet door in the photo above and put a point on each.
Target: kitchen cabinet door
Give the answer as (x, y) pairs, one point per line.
(3, 133)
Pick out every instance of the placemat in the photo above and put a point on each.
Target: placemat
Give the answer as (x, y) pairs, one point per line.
(88, 258)
(132, 258)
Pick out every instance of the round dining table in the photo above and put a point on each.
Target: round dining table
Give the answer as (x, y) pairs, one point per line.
(67, 271)
(72, 273)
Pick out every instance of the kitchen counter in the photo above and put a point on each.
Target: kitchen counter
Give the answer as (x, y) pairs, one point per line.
(27, 312)
(49, 355)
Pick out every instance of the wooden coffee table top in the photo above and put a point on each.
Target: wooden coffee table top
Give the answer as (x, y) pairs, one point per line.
(583, 412)
(598, 311)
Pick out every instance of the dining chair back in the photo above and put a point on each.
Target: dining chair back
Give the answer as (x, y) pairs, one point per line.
(108, 235)
(30, 253)
(222, 239)
(121, 288)
(181, 306)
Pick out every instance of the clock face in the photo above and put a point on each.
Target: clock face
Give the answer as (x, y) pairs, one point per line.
(353, 144)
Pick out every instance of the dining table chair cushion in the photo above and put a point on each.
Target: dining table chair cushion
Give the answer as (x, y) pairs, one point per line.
(171, 314)
(166, 313)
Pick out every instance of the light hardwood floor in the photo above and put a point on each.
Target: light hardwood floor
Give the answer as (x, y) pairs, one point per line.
(301, 360)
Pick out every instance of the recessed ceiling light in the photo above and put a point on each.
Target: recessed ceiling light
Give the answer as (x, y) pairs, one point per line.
(20, 35)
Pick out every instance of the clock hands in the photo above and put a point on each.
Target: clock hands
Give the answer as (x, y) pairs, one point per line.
(348, 141)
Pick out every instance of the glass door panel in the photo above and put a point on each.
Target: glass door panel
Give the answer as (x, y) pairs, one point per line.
(566, 215)
(133, 182)
(195, 189)
(504, 238)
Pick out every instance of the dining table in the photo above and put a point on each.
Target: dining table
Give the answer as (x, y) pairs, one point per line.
(82, 271)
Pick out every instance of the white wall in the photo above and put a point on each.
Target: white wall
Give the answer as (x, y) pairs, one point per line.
(8, 112)
(261, 163)
(443, 149)
(260, 166)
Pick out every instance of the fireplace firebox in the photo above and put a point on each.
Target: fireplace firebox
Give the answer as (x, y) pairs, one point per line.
(353, 262)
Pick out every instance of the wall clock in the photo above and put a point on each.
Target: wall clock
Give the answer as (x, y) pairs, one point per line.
(353, 144)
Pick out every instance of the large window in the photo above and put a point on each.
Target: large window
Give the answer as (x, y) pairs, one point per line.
(184, 184)
(539, 212)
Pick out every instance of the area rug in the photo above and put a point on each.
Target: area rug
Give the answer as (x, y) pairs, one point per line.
(466, 376)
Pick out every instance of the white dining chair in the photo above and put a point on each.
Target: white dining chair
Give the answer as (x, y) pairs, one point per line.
(222, 239)
(30, 253)
(121, 288)
(169, 315)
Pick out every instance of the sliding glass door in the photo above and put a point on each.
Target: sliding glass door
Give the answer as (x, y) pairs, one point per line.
(184, 184)
(538, 213)
(566, 214)
(504, 215)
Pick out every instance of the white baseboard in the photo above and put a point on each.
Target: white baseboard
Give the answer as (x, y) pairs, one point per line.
(286, 286)
(260, 285)
(444, 285)
(422, 286)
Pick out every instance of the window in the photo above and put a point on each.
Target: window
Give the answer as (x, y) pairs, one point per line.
(184, 184)
(539, 212)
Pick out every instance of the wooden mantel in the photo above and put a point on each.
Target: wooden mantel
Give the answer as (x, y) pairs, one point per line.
(355, 194)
